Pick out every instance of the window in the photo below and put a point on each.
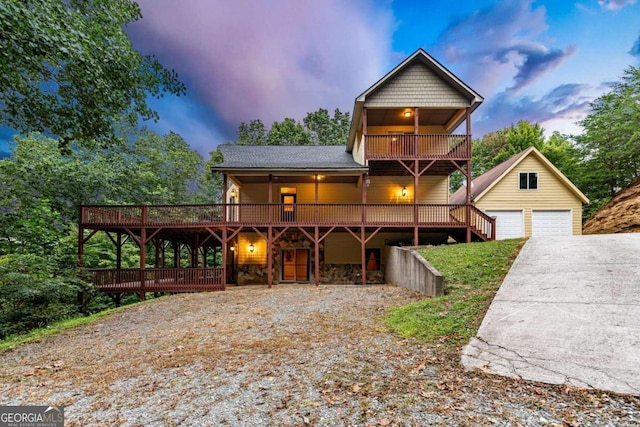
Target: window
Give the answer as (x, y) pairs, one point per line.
(528, 180)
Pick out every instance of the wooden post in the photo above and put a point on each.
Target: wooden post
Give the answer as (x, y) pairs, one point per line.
(416, 132)
(317, 255)
(363, 201)
(80, 237)
(225, 183)
(119, 257)
(363, 254)
(225, 248)
(269, 256)
(270, 208)
(416, 179)
(317, 212)
(143, 258)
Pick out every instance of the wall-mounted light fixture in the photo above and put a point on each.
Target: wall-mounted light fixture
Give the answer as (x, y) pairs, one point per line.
(251, 247)
(233, 193)
(404, 191)
(367, 180)
(232, 248)
(407, 113)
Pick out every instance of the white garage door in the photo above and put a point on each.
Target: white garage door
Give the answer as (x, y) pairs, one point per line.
(509, 224)
(551, 223)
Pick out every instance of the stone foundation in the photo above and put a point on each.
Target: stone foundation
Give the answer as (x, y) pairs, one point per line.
(342, 274)
(254, 274)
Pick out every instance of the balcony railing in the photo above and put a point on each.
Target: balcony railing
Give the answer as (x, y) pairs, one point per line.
(427, 147)
(279, 214)
(158, 280)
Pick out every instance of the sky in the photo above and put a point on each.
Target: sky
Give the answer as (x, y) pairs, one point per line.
(540, 61)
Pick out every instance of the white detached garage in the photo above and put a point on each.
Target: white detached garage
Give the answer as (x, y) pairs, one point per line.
(528, 196)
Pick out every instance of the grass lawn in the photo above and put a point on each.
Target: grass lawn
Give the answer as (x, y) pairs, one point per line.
(473, 273)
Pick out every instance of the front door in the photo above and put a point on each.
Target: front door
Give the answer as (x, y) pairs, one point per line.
(295, 265)
(288, 207)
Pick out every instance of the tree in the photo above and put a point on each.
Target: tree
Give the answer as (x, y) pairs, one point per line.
(68, 69)
(210, 184)
(317, 128)
(611, 141)
(165, 170)
(326, 130)
(564, 155)
(496, 147)
(288, 132)
(254, 133)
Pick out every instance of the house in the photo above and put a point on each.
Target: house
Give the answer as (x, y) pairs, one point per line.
(528, 196)
(317, 213)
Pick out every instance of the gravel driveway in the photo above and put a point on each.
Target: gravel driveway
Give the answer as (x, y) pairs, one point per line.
(287, 356)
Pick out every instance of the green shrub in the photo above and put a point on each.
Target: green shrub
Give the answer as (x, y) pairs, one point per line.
(32, 296)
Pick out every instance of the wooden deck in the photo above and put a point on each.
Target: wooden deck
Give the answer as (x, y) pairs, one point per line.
(417, 147)
(158, 280)
(215, 225)
(390, 215)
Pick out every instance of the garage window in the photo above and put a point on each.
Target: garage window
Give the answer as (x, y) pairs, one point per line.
(528, 180)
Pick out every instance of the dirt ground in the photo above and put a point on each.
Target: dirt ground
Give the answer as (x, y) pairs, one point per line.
(288, 356)
(620, 215)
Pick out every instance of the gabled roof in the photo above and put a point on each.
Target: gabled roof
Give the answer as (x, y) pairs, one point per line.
(419, 56)
(286, 157)
(485, 182)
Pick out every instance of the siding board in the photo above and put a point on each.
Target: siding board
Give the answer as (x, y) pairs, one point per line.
(551, 194)
(416, 86)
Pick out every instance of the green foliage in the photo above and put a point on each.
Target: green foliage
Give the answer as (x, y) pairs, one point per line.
(210, 184)
(317, 128)
(68, 69)
(161, 169)
(611, 142)
(499, 146)
(288, 132)
(496, 147)
(254, 133)
(326, 130)
(39, 282)
(473, 273)
(32, 295)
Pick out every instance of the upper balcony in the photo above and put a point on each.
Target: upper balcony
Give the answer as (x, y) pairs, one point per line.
(417, 147)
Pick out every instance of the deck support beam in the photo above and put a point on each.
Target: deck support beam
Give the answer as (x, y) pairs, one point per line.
(269, 257)
(317, 255)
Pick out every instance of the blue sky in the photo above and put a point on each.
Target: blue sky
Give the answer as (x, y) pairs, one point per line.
(541, 61)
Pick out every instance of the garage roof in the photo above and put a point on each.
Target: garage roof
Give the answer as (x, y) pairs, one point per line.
(485, 182)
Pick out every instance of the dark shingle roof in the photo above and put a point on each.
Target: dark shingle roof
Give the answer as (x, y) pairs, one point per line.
(483, 182)
(302, 157)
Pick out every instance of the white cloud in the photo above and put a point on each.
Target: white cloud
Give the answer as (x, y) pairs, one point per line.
(615, 4)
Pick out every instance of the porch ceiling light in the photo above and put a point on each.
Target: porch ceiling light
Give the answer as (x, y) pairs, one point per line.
(404, 191)
(251, 248)
(407, 113)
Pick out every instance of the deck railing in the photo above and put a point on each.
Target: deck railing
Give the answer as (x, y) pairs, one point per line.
(279, 214)
(158, 279)
(427, 147)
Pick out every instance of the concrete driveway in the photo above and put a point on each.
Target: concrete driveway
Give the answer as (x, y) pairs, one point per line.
(568, 312)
